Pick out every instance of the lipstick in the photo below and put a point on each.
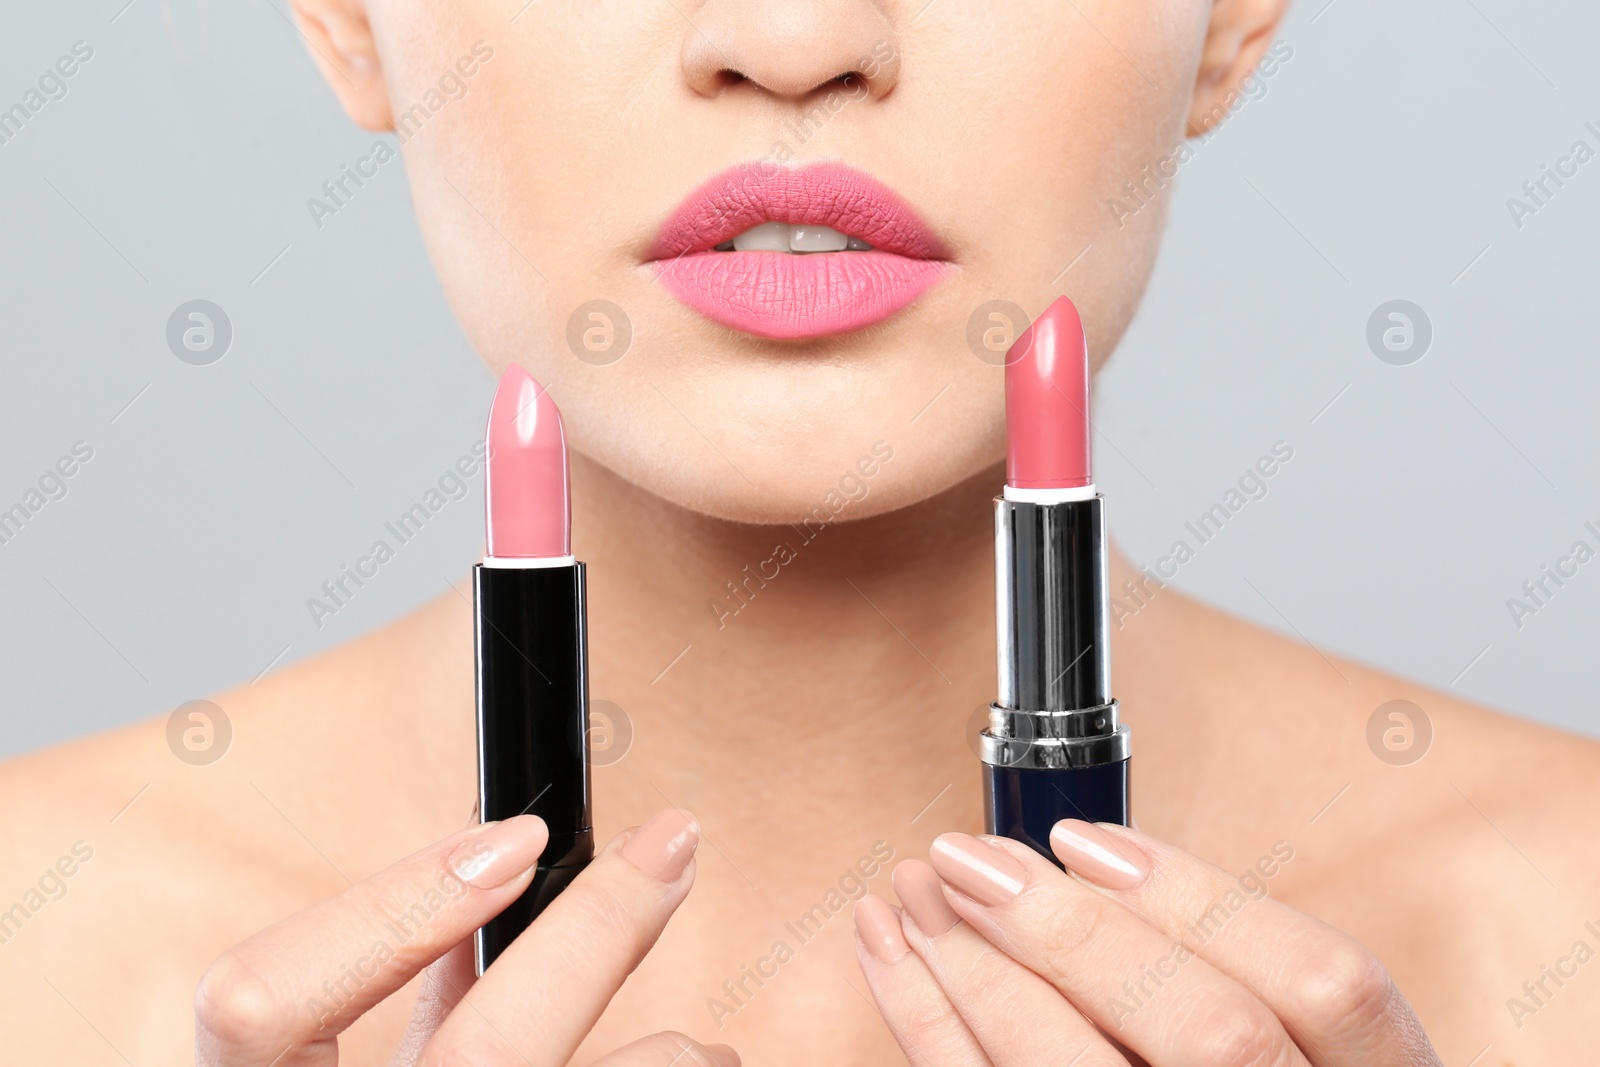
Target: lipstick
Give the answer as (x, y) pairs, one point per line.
(1053, 748)
(531, 637)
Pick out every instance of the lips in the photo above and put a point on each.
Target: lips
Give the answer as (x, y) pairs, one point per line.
(789, 296)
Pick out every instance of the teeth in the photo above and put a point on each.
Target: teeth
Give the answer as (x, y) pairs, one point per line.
(816, 239)
(768, 237)
(800, 239)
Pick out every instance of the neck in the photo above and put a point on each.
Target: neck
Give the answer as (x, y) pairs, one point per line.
(788, 632)
(828, 671)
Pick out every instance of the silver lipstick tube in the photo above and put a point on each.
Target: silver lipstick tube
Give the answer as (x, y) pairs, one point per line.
(1054, 747)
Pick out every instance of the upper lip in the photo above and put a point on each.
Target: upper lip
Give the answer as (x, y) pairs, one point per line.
(819, 194)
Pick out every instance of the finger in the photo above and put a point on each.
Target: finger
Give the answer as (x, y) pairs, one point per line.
(669, 1049)
(444, 983)
(1106, 960)
(1018, 1017)
(1334, 996)
(547, 989)
(285, 994)
(921, 1017)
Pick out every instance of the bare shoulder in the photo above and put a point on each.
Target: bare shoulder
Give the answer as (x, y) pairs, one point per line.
(1474, 876)
(1453, 840)
(130, 859)
(65, 806)
(102, 881)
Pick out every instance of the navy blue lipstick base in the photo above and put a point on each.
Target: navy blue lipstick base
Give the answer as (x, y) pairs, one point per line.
(1024, 803)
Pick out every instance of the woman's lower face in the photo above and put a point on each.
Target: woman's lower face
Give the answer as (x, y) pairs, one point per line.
(743, 241)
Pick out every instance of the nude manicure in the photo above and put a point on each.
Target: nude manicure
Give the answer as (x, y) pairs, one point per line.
(663, 847)
(978, 869)
(500, 853)
(921, 894)
(879, 927)
(1097, 856)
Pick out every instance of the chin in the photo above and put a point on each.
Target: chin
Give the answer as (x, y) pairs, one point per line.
(833, 467)
(839, 494)
(756, 433)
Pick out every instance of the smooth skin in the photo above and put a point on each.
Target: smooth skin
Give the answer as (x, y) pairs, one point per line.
(815, 724)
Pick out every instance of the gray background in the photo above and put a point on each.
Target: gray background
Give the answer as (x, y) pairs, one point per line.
(1376, 166)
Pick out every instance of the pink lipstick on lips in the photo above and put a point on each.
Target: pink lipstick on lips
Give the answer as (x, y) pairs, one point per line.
(531, 640)
(863, 253)
(1053, 748)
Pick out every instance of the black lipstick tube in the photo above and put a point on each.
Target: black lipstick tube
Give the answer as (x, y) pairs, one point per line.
(533, 714)
(1053, 748)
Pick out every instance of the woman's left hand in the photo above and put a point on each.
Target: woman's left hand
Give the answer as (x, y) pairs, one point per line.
(1154, 957)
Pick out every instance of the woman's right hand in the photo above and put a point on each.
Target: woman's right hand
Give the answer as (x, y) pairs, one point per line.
(283, 996)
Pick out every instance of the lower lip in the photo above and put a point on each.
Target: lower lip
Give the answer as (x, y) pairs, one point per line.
(791, 297)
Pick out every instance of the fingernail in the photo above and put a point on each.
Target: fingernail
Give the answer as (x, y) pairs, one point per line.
(917, 886)
(879, 927)
(663, 847)
(503, 851)
(724, 1055)
(978, 869)
(1099, 857)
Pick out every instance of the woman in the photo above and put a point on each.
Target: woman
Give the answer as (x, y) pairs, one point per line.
(1288, 899)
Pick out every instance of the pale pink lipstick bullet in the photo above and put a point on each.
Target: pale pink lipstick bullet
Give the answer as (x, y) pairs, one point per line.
(525, 482)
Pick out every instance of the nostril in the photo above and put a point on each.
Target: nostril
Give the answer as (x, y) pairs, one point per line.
(850, 82)
(790, 49)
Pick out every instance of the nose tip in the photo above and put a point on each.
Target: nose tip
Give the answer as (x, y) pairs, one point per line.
(791, 49)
